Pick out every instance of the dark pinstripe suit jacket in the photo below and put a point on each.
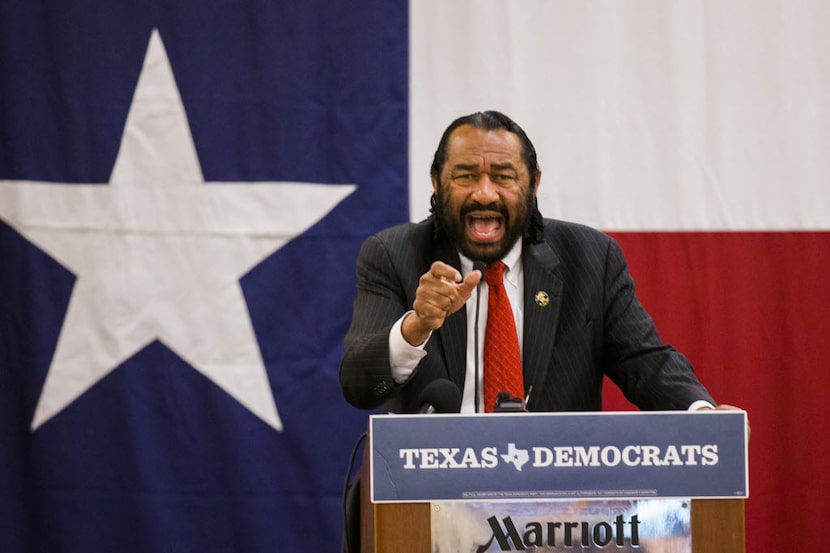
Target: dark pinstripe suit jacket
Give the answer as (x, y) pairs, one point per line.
(593, 325)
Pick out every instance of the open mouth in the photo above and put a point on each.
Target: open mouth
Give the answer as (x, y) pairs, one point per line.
(485, 227)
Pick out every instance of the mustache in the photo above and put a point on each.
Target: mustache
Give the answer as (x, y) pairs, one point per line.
(478, 206)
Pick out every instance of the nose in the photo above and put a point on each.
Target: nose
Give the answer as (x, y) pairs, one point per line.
(486, 191)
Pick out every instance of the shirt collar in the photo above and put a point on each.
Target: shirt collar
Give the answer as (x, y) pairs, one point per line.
(513, 260)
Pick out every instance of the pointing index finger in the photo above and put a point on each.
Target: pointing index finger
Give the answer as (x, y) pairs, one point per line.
(442, 271)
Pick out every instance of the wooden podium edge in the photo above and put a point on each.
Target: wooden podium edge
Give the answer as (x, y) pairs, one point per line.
(718, 526)
(399, 527)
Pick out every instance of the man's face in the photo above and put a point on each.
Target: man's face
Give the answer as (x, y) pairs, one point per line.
(485, 193)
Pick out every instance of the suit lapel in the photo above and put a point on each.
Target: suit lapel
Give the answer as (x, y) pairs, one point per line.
(453, 332)
(542, 302)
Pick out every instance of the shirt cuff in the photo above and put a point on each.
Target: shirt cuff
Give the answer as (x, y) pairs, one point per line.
(700, 404)
(403, 357)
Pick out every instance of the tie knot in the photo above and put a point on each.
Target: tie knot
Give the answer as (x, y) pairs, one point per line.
(494, 273)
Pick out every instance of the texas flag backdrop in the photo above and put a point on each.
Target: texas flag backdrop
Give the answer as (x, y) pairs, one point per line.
(184, 187)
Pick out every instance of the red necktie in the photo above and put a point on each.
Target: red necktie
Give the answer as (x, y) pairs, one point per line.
(502, 360)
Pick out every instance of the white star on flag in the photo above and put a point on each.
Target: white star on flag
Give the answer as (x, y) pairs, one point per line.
(158, 253)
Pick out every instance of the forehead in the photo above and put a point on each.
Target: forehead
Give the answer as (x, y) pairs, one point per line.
(469, 145)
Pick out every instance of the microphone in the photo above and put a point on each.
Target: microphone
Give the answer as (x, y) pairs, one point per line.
(439, 396)
(505, 403)
(477, 266)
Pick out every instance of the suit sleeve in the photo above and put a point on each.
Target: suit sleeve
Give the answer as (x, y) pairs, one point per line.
(651, 374)
(365, 371)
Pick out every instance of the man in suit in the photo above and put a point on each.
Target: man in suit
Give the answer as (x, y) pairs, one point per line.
(576, 313)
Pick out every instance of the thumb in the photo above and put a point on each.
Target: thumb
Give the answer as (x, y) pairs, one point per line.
(469, 283)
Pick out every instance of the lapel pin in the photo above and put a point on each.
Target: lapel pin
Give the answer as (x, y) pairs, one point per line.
(542, 298)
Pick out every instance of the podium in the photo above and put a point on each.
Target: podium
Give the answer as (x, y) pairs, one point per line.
(403, 524)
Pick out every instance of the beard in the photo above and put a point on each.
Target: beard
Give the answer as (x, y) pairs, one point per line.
(454, 224)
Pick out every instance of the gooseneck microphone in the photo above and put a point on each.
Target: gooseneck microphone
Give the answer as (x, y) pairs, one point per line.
(477, 266)
(439, 396)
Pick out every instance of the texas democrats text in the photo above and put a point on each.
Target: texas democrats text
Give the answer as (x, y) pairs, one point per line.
(560, 456)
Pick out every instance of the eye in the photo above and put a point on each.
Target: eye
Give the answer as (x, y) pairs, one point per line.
(503, 178)
(465, 177)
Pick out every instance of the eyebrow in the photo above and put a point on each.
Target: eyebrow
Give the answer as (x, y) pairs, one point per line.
(475, 167)
(465, 167)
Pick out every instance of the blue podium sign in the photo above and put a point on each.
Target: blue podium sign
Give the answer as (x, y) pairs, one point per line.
(530, 456)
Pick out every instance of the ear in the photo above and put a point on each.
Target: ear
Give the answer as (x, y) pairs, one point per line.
(434, 185)
(537, 178)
